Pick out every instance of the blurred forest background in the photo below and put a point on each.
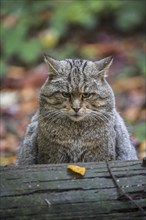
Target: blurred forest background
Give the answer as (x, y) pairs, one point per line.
(89, 29)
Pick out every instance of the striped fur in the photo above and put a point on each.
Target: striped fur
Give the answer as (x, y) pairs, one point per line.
(77, 120)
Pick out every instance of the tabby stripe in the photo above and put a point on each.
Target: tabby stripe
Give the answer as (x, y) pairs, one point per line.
(69, 77)
(70, 63)
(83, 68)
(77, 76)
(85, 64)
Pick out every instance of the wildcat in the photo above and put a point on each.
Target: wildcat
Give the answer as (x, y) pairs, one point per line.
(76, 120)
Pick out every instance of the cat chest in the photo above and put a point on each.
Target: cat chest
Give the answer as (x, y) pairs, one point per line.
(78, 138)
(70, 145)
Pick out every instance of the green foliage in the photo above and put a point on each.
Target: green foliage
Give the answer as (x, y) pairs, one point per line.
(127, 70)
(67, 50)
(3, 67)
(140, 58)
(88, 52)
(24, 38)
(15, 42)
(30, 50)
(137, 66)
(140, 131)
(130, 15)
(84, 13)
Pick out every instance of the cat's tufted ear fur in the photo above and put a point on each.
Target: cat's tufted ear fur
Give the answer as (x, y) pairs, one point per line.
(52, 64)
(103, 66)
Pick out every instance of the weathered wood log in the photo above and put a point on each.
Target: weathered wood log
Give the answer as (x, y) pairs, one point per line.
(51, 192)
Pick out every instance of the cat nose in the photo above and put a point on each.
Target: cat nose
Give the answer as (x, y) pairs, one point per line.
(76, 109)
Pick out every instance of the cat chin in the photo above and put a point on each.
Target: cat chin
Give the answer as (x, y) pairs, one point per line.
(76, 118)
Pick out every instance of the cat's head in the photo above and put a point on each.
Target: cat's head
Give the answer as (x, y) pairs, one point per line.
(77, 89)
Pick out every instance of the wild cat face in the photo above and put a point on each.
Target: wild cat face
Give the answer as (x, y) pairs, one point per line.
(77, 89)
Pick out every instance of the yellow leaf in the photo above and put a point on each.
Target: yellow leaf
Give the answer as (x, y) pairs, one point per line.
(77, 169)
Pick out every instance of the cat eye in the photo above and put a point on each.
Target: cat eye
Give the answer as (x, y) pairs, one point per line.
(86, 95)
(66, 95)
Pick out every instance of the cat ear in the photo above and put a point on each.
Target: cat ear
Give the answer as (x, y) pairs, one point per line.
(103, 65)
(52, 64)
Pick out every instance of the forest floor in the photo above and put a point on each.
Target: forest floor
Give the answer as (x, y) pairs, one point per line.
(20, 91)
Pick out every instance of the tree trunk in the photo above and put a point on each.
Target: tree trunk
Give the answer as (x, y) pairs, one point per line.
(51, 192)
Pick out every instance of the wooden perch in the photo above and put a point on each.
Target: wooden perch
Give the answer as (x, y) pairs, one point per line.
(51, 192)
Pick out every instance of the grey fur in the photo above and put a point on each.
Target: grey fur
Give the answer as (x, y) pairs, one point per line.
(77, 120)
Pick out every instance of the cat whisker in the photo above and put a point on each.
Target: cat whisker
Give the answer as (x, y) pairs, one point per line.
(97, 117)
(109, 116)
(105, 117)
(51, 116)
(50, 112)
(101, 116)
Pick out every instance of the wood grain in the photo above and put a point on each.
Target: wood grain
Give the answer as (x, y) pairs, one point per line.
(51, 192)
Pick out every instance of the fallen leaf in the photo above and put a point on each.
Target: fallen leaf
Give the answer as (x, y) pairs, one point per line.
(141, 155)
(77, 169)
(7, 160)
(142, 146)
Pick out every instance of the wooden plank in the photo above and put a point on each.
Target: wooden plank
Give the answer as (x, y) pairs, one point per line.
(52, 192)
